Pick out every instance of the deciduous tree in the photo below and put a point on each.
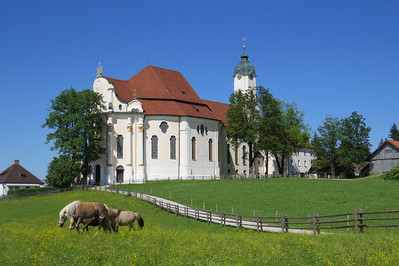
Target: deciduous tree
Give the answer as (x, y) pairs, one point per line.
(243, 116)
(77, 120)
(355, 145)
(326, 143)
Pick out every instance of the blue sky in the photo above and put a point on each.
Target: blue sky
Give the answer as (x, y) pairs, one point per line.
(329, 57)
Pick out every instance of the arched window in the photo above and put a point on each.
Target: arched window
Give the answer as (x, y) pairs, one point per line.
(228, 154)
(119, 147)
(154, 147)
(244, 155)
(193, 149)
(210, 144)
(173, 148)
(237, 160)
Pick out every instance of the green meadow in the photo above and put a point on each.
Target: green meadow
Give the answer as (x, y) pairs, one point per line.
(285, 196)
(30, 234)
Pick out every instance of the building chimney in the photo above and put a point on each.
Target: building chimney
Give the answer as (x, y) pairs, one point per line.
(16, 162)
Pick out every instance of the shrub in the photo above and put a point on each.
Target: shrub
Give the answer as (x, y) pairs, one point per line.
(393, 174)
(26, 191)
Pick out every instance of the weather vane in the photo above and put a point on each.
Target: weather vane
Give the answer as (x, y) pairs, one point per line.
(244, 39)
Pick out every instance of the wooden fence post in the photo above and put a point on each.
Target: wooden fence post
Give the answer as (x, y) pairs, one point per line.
(284, 223)
(356, 221)
(316, 224)
(258, 225)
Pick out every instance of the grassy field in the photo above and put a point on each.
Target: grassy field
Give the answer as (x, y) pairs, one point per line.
(287, 196)
(30, 233)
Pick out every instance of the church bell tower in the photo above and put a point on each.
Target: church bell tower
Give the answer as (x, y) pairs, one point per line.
(244, 74)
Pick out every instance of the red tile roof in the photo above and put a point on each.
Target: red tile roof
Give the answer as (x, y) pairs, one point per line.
(394, 142)
(18, 174)
(166, 92)
(219, 110)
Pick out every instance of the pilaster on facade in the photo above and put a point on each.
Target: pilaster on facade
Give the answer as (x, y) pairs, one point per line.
(109, 159)
(184, 149)
(129, 162)
(140, 153)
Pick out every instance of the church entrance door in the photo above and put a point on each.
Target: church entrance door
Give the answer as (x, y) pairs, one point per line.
(119, 174)
(98, 174)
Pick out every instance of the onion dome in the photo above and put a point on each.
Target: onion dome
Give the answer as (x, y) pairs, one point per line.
(244, 68)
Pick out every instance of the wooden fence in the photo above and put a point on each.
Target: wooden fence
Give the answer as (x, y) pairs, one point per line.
(356, 221)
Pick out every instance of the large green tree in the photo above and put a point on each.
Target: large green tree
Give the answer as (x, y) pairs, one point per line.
(294, 135)
(326, 144)
(77, 122)
(355, 145)
(271, 124)
(243, 116)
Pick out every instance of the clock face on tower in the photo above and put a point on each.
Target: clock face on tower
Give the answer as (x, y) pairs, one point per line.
(239, 76)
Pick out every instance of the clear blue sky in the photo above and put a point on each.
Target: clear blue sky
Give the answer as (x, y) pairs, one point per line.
(329, 57)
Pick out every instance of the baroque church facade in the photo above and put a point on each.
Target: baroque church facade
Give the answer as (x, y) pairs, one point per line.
(157, 128)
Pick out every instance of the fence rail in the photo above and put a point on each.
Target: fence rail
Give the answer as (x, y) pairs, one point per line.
(357, 220)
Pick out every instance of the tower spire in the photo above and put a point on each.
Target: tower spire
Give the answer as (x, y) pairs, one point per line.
(99, 70)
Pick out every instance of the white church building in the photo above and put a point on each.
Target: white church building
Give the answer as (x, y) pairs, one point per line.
(157, 127)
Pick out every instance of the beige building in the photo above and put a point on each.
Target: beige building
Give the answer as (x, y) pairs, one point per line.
(159, 128)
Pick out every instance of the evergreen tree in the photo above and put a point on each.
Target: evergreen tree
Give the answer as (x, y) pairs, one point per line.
(77, 120)
(394, 132)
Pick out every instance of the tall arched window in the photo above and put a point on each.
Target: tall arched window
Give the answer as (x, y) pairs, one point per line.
(228, 154)
(237, 160)
(119, 147)
(244, 155)
(210, 144)
(193, 149)
(154, 147)
(173, 148)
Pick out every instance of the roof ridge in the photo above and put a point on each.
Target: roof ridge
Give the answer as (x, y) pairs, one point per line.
(163, 84)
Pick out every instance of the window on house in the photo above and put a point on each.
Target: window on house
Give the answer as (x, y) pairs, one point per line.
(210, 144)
(299, 163)
(119, 147)
(193, 149)
(244, 155)
(173, 148)
(154, 147)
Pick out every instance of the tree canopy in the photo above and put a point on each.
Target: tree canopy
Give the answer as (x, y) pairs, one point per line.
(342, 144)
(266, 124)
(77, 122)
(243, 117)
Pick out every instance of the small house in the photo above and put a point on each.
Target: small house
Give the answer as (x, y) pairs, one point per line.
(384, 157)
(16, 177)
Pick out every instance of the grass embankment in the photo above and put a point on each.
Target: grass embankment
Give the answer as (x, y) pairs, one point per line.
(286, 196)
(30, 235)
